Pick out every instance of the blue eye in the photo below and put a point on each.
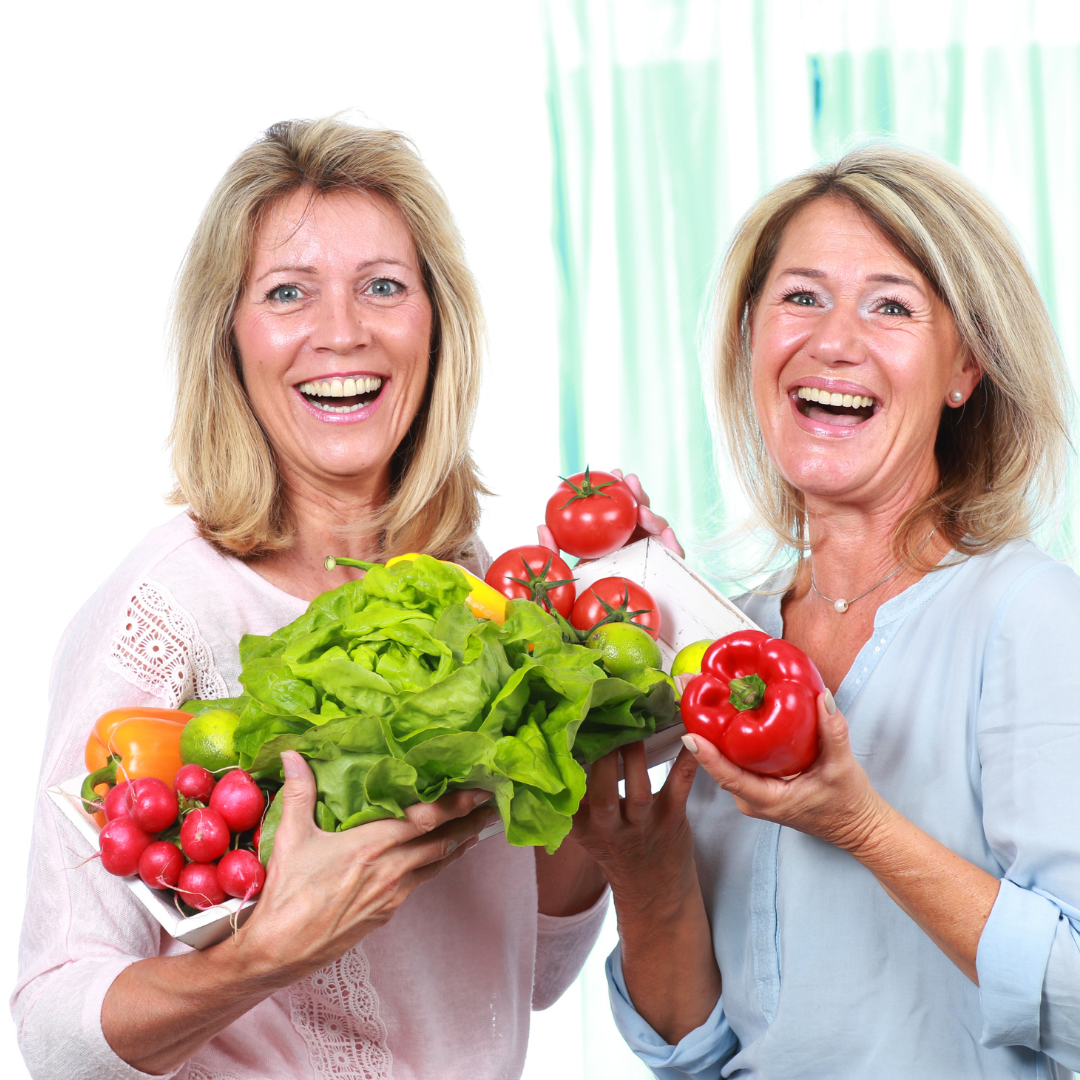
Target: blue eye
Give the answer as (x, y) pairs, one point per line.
(284, 294)
(385, 287)
(804, 299)
(894, 307)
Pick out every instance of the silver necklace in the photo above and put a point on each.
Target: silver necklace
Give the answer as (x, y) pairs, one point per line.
(842, 605)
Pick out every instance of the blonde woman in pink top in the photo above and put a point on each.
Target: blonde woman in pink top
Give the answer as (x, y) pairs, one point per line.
(328, 339)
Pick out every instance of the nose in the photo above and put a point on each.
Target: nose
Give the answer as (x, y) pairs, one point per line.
(838, 335)
(340, 325)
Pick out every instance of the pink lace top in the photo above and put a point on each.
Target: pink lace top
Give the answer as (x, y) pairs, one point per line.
(441, 991)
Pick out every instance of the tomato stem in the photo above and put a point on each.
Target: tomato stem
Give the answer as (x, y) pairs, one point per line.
(586, 488)
(619, 614)
(539, 586)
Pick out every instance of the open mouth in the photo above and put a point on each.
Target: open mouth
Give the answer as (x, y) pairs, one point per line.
(342, 395)
(839, 410)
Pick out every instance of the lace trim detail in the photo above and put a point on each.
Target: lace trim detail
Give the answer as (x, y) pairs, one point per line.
(336, 1011)
(195, 1071)
(159, 649)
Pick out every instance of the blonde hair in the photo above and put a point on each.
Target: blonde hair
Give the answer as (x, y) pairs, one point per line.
(1001, 457)
(224, 465)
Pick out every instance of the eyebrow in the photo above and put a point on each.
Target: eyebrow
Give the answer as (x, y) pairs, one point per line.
(291, 268)
(877, 279)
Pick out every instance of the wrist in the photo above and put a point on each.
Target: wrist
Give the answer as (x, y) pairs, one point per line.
(868, 835)
(639, 901)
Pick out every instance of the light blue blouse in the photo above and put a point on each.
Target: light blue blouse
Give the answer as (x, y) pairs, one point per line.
(964, 709)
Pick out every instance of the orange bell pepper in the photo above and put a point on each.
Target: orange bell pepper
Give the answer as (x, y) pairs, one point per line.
(126, 744)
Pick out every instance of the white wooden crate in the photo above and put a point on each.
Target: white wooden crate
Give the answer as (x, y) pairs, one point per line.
(690, 610)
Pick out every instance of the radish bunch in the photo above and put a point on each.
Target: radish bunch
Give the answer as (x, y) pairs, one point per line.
(207, 834)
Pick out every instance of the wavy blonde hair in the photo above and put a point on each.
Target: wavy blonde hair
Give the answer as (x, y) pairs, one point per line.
(224, 465)
(1002, 456)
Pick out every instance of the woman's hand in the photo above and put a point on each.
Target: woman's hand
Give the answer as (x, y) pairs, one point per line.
(649, 523)
(642, 839)
(832, 800)
(644, 846)
(949, 897)
(323, 893)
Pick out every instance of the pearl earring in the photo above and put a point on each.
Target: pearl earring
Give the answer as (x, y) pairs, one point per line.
(956, 397)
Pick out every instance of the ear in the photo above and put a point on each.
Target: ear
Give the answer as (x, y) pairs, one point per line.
(966, 376)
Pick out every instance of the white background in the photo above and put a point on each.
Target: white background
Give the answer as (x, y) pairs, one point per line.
(121, 118)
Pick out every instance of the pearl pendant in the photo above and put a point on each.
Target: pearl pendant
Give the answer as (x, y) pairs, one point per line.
(841, 606)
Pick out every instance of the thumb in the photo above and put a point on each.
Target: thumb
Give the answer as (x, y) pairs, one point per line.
(832, 726)
(680, 780)
(545, 538)
(298, 793)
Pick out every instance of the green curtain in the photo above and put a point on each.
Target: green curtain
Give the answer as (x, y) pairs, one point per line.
(668, 117)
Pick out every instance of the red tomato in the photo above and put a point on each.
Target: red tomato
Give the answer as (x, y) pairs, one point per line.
(625, 597)
(591, 514)
(534, 573)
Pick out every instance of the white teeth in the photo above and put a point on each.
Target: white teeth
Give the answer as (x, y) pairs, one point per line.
(350, 387)
(826, 397)
(338, 408)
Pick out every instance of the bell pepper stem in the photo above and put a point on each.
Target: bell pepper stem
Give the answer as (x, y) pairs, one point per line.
(334, 560)
(747, 693)
(105, 775)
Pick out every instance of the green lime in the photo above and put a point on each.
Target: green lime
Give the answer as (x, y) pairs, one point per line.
(624, 647)
(645, 678)
(688, 660)
(209, 740)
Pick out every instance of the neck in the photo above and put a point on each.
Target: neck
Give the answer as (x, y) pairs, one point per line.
(329, 518)
(852, 545)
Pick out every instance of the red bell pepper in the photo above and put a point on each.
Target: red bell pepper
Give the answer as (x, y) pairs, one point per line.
(756, 702)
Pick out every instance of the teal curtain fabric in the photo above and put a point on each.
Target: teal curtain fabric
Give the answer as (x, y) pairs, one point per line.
(668, 117)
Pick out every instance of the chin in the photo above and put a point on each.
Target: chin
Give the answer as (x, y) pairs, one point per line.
(824, 482)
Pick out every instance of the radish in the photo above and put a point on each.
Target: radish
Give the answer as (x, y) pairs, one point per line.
(151, 804)
(239, 800)
(204, 836)
(194, 782)
(115, 804)
(199, 885)
(160, 864)
(241, 874)
(122, 842)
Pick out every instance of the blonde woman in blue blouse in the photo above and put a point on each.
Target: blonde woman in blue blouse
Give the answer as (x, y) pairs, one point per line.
(894, 399)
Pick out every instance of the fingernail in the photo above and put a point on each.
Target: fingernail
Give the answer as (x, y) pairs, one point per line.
(481, 797)
(289, 764)
(690, 743)
(830, 703)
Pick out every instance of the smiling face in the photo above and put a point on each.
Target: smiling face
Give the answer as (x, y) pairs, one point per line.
(853, 357)
(333, 331)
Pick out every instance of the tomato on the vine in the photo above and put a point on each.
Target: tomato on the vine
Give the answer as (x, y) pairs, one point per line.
(534, 573)
(591, 514)
(616, 599)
